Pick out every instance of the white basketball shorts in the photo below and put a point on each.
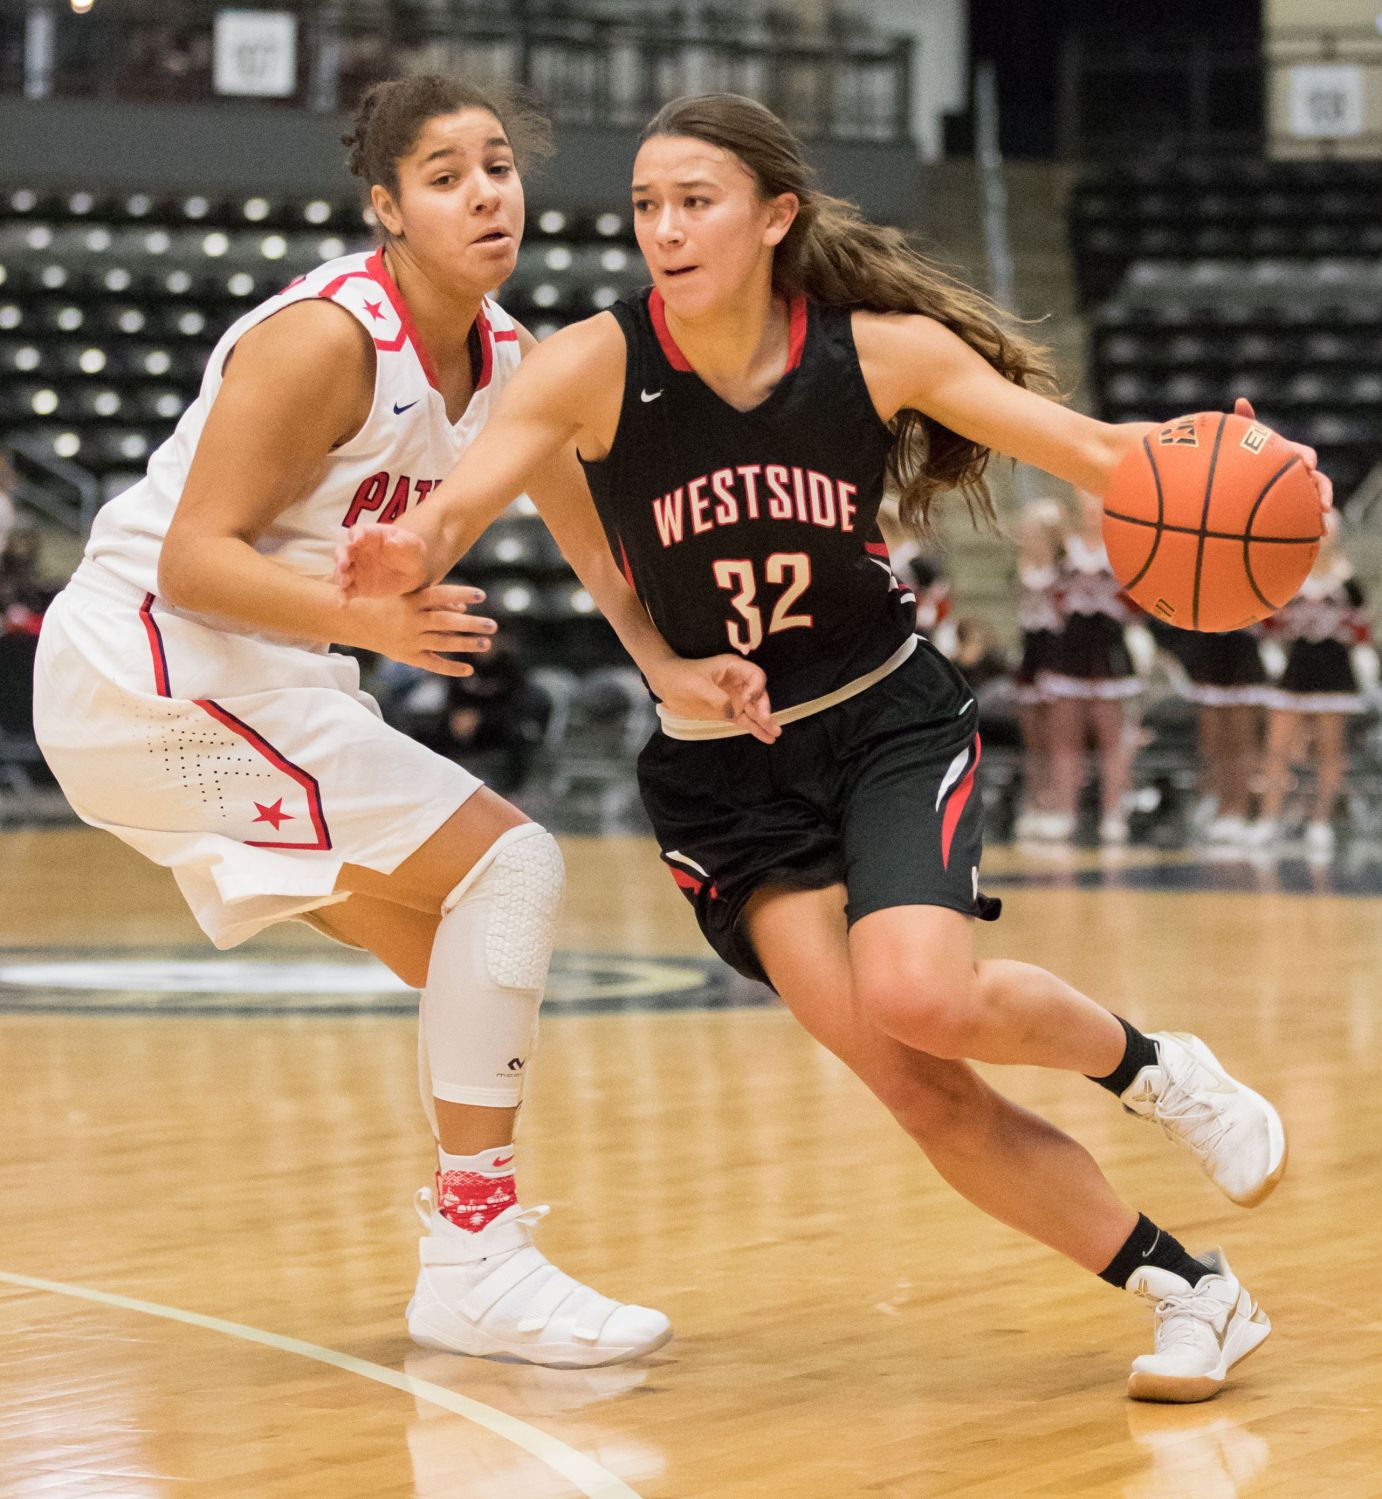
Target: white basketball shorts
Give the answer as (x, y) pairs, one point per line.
(252, 768)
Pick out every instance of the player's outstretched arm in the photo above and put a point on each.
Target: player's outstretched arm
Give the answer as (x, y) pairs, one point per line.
(915, 362)
(547, 405)
(717, 687)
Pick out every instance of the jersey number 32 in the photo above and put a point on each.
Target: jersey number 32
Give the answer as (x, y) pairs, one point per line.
(738, 577)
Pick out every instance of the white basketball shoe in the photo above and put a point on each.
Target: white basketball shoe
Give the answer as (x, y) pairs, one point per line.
(1236, 1134)
(495, 1294)
(1202, 1331)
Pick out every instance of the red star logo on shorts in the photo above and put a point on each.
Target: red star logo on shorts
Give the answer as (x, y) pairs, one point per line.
(373, 308)
(274, 814)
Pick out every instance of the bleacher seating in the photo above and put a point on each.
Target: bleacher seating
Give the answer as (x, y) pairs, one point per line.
(1242, 277)
(109, 307)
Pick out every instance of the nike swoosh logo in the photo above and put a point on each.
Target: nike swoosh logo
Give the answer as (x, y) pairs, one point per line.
(1146, 1252)
(501, 1161)
(651, 397)
(399, 410)
(969, 703)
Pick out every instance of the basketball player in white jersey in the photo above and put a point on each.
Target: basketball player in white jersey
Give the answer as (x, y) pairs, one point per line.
(187, 701)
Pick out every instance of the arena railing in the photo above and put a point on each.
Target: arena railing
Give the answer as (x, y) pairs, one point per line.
(586, 64)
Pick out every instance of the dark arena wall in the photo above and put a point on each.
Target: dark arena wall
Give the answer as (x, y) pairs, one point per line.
(98, 145)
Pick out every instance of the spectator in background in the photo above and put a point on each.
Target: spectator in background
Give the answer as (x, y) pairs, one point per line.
(935, 601)
(496, 709)
(978, 654)
(1092, 681)
(9, 482)
(24, 593)
(1040, 539)
(1227, 684)
(1326, 635)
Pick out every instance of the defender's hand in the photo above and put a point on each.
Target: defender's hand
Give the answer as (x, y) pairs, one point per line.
(378, 561)
(425, 628)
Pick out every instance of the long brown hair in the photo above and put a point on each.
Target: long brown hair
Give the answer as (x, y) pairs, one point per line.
(833, 254)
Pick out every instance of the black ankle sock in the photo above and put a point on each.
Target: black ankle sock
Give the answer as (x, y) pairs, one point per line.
(1141, 1053)
(1149, 1245)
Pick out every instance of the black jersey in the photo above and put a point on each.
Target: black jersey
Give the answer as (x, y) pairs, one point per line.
(755, 531)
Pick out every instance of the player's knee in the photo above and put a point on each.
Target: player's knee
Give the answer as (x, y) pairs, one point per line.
(520, 882)
(929, 1011)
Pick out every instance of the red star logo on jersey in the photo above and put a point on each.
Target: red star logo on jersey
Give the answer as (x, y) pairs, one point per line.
(373, 308)
(274, 815)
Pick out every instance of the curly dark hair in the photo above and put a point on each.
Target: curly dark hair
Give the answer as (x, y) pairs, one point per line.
(391, 116)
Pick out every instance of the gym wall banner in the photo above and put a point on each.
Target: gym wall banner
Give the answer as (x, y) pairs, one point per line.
(256, 53)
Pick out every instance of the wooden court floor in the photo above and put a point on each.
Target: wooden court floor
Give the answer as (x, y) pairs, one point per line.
(206, 1240)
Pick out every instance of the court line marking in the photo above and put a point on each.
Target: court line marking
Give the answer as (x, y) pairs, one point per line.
(587, 1475)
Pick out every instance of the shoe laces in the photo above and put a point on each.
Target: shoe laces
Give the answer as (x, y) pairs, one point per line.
(1187, 1317)
(1185, 1115)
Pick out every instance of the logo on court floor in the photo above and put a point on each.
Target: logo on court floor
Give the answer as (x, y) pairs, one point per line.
(193, 981)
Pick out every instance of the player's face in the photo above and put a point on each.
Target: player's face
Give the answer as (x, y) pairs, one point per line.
(459, 207)
(702, 225)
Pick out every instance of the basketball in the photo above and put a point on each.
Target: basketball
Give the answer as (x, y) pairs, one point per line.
(1211, 522)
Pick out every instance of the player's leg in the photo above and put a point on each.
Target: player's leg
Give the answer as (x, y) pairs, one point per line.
(1328, 733)
(1007, 1160)
(1034, 725)
(473, 927)
(1283, 731)
(1242, 731)
(912, 835)
(471, 1037)
(1216, 771)
(1068, 725)
(1115, 736)
(1209, 738)
(1003, 1158)
(916, 979)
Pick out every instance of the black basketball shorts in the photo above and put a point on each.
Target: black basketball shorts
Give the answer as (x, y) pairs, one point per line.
(880, 793)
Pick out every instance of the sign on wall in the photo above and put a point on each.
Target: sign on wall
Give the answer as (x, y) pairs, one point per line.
(1325, 101)
(256, 53)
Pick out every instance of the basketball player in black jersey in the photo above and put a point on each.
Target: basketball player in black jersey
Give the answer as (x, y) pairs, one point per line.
(737, 422)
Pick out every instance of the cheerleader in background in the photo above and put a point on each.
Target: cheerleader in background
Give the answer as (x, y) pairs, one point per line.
(1324, 630)
(1039, 618)
(1091, 681)
(1228, 685)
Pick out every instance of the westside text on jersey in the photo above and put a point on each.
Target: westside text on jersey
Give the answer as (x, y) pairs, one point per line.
(752, 491)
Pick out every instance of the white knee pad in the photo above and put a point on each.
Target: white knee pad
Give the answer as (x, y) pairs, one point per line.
(488, 970)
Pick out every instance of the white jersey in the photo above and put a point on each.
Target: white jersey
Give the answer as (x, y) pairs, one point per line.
(253, 766)
(405, 448)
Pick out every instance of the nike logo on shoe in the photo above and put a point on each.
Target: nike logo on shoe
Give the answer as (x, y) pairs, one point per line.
(650, 396)
(399, 410)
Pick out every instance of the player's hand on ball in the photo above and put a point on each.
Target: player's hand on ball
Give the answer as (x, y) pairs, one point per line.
(725, 688)
(427, 628)
(1324, 486)
(376, 561)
